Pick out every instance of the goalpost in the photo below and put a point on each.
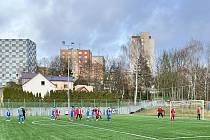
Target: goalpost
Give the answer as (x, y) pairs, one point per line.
(187, 108)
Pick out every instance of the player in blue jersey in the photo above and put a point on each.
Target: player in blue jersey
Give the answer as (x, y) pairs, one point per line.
(53, 114)
(72, 114)
(8, 115)
(20, 116)
(93, 113)
(108, 114)
(88, 114)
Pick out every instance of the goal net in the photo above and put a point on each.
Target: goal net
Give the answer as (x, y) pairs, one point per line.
(187, 108)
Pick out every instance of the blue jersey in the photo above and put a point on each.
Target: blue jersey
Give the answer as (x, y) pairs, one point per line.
(108, 112)
(72, 113)
(8, 114)
(93, 113)
(87, 113)
(20, 112)
(53, 113)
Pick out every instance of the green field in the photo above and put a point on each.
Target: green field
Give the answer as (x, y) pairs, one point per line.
(122, 127)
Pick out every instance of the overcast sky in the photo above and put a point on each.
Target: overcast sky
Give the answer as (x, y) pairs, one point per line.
(104, 25)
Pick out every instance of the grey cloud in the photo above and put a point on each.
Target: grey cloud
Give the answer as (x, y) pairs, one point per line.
(103, 26)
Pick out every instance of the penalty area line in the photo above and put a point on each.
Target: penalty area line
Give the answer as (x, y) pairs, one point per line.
(121, 132)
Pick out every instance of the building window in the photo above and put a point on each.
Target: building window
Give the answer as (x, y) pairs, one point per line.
(42, 83)
(65, 86)
(150, 37)
(85, 52)
(80, 52)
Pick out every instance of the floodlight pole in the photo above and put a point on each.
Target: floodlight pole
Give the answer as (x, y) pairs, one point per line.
(137, 67)
(68, 94)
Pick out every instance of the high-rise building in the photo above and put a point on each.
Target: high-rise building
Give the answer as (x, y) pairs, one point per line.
(16, 56)
(98, 68)
(143, 43)
(80, 61)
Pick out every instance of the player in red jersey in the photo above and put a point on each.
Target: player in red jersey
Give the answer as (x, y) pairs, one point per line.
(57, 113)
(199, 113)
(160, 112)
(172, 113)
(97, 113)
(80, 112)
(76, 112)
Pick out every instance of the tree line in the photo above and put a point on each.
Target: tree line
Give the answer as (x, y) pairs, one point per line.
(15, 93)
(179, 73)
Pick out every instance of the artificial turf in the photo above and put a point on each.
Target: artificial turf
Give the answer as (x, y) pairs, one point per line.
(122, 127)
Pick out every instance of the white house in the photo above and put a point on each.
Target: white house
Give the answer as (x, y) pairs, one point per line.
(39, 84)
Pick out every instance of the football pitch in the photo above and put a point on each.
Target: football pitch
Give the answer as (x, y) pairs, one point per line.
(122, 127)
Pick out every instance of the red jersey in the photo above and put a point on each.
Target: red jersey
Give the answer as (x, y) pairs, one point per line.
(80, 111)
(160, 110)
(97, 112)
(198, 110)
(76, 111)
(57, 112)
(172, 111)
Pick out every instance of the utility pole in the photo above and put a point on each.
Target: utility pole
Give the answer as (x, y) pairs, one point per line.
(68, 94)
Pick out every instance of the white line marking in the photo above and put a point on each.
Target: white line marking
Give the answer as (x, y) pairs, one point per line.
(127, 133)
(193, 137)
(121, 132)
(44, 124)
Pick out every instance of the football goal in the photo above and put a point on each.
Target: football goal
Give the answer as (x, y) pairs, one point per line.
(187, 108)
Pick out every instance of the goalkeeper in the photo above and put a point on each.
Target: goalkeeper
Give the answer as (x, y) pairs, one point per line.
(160, 112)
(199, 113)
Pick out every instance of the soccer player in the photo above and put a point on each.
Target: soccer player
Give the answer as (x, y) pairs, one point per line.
(72, 114)
(20, 116)
(77, 112)
(108, 114)
(53, 114)
(172, 113)
(88, 114)
(97, 113)
(160, 112)
(24, 113)
(80, 112)
(57, 112)
(8, 115)
(199, 113)
(100, 113)
(93, 113)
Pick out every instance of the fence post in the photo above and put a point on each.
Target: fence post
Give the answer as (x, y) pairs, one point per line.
(40, 107)
(118, 106)
(24, 102)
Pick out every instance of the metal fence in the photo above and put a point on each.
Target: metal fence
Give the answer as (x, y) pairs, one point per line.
(42, 108)
(58, 103)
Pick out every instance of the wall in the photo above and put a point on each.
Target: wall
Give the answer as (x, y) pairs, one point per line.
(34, 85)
